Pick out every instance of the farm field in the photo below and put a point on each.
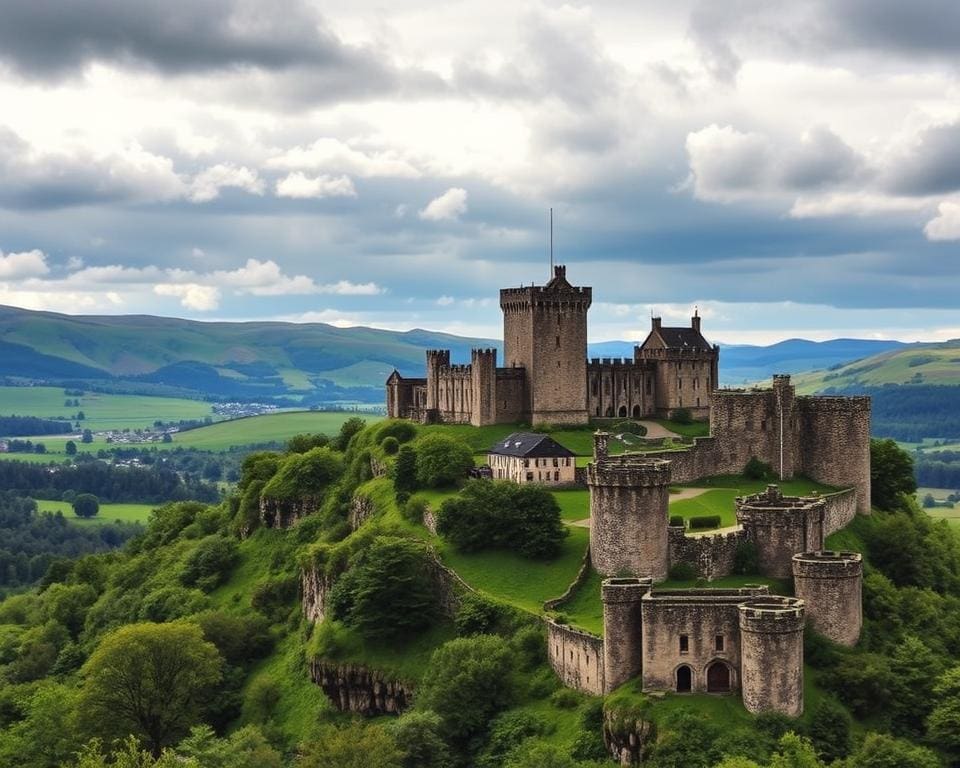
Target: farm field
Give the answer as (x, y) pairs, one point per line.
(102, 411)
(128, 513)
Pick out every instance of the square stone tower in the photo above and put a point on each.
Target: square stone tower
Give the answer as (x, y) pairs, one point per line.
(545, 332)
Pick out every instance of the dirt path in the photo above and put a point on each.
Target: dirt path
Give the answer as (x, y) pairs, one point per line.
(657, 430)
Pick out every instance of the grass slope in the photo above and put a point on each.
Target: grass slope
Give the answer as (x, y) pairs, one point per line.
(109, 513)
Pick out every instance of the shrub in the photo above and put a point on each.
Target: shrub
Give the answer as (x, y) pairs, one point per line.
(701, 522)
(757, 470)
(261, 699)
(421, 737)
(388, 592)
(467, 682)
(400, 430)
(746, 559)
(492, 514)
(414, 509)
(405, 470)
(442, 460)
(210, 563)
(239, 638)
(677, 520)
(274, 597)
(169, 603)
(348, 429)
(477, 616)
(683, 572)
(829, 730)
(390, 445)
(530, 645)
(305, 474)
(507, 732)
(305, 442)
(565, 698)
(682, 416)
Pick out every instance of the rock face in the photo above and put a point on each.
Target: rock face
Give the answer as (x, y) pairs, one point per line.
(361, 509)
(627, 739)
(283, 513)
(315, 585)
(357, 689)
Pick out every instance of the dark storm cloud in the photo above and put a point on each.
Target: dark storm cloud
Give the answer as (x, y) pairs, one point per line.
(931, 166)
(51, 39)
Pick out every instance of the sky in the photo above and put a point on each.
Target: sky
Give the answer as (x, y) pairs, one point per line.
(791, 169)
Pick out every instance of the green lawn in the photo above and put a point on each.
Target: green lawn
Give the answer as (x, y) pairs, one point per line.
(516, 580)
(693, 429)
(128, 513)
(102, 411)
(574, 503)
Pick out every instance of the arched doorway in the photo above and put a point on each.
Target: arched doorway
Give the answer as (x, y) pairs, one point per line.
(609, 412)
(718, 678)
(636, 411)
(622, 412)
(683, 679)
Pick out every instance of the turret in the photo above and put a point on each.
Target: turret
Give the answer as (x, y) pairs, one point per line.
(831, 585)
(483, 368)
(622, 629)
(771, 655)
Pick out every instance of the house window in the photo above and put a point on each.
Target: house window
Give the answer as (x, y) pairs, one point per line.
(684, 644)
(529, 477)
(718, 643)
(556, 462)
(556, 477)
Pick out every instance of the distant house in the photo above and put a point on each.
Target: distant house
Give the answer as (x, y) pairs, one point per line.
(528, 457)
(3, 446)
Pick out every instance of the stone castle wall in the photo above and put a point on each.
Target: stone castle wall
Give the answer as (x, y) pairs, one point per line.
(712, 554)
(622, 619)
(577, 657)
(781, 526)
(831, 585)
(620, 388)
(841, 508)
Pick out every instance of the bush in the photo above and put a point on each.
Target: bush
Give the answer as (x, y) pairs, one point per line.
(261, 699)
(565, 698)
(891, 473)
(414, 509)
(477, 616)
(274, 597)
(399, 430)
(390, 445)
(757, 470)
(829, 730)
(405, 470)
(86, 505)
(701, 522)
(388, 592)
(682, 416)
(677, 520)
(209, 565)
(442, 460)
(501, 514)
(467, 682)
(307, 474)
(529, 644)
(421, 737)
(508, 732)
(682, 572)
(240, 638)
(305, 442)
(746, 559)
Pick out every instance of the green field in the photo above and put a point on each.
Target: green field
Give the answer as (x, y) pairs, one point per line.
(109, 513)
(102, 411)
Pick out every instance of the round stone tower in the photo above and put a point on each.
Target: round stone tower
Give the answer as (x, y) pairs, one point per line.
(771, 655)
(830, 584)
(622, 629)
(628, 516)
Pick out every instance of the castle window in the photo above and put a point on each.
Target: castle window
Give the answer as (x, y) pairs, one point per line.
(679, 383)
(558, 342)
(684, 644)
(718, 643)
(763, 425)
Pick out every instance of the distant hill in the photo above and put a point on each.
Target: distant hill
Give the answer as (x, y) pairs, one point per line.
(307, 363)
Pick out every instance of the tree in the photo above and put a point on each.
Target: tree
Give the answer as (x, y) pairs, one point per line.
(211, 562)
(467, 682)
(882, 751)
(442, 460)
(70, 448)
(354, 746)
(389, 591)
(891, 473)
(86, 505)
(244, 748)
(304, 442)
(405, 470)
(829, 730)
(943, 725)
(348, 429)
(87, 437)
(149, 679)
(420, 736)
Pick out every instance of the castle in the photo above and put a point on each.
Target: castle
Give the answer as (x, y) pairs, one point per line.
(546, 377)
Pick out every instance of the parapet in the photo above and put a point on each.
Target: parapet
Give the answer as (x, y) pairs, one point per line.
(828, 564)
(700, 595)
(772, 500)
(772, 615)
(835, 404)
(624, 590)
(629, 470)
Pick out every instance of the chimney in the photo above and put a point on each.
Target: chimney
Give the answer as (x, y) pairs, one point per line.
(695, 320)
(655, 323)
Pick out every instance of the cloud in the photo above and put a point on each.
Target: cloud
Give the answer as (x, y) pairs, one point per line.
(445, 301)
(946, 225)
(16, 266)
(207, 184)
(930, 164)
(450, 205)
(332, 155)
(346, 288)
(201, 298)
(300, 186)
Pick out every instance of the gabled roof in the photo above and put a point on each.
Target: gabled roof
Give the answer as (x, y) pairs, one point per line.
(530, 445)
(680, 338)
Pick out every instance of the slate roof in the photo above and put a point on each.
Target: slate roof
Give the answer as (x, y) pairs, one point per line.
(682, 338)
(529, 445)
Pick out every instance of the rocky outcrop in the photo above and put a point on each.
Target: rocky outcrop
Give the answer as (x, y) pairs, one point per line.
(315, 585)
(377, 467)
(361, 509)
(627, 736)
(283, 513)
(355, 688)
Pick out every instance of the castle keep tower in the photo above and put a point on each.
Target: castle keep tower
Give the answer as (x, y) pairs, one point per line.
(622, 630)
(545, 332)
(831, 583)
(771, 655)
(483, 363)
(628, 516)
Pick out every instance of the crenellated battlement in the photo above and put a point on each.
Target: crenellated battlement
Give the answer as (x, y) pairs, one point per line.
(773, 614)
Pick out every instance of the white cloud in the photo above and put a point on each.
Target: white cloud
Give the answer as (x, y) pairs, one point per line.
(300, 186)
(328, 154)
(74, 263)
(207, 184)
(346, 288)
(946, 224)
(445, 301)
(202, 298)
(450, 205)
(15, 266)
